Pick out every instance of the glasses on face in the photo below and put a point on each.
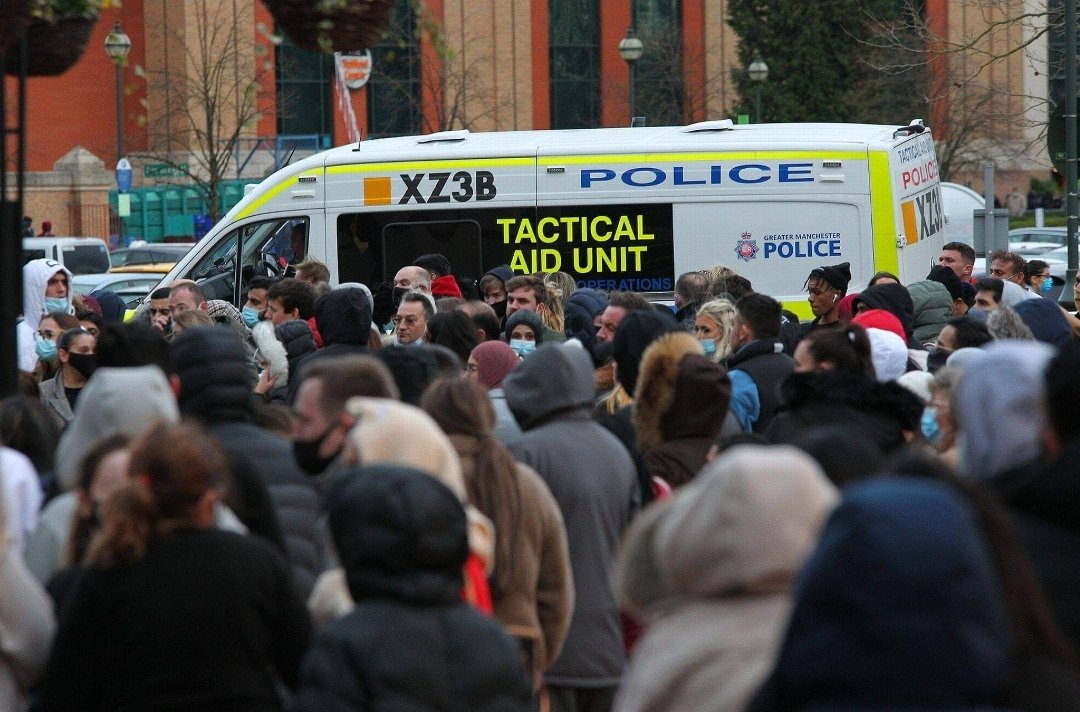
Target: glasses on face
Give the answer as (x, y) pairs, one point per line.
(409, 320)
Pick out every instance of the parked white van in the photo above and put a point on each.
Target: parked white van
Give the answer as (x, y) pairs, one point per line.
(622, 208)
(81, 255)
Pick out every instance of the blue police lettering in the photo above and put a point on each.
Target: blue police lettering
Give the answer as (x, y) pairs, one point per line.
(717, 174)
(681, 180)
(821, 244)
(737, 177)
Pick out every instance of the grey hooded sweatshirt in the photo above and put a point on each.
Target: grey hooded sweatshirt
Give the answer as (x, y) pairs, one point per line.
(594, 482)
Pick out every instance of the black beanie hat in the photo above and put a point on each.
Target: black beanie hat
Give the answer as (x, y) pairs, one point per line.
(836, 275)
(636, 331)
(944, 275)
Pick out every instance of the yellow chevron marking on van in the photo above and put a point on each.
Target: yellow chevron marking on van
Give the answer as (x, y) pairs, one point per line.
(429, 165)
(272, 193)
(712, 156)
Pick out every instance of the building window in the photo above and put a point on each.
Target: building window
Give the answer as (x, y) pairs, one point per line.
(304, 82)
(574, 27)
(393, 92)
(659, 86)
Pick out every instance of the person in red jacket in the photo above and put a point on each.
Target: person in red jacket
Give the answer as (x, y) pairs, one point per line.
(443, 283)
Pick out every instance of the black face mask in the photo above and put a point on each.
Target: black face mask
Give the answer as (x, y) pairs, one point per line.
(500, 310)
(397, 295)
(307, 454)
(85, 364)
(936, 359)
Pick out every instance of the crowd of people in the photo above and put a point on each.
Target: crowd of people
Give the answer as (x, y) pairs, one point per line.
(518, 494)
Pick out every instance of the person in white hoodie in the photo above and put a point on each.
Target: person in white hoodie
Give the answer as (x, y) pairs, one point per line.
(712, 572)
(46, 289)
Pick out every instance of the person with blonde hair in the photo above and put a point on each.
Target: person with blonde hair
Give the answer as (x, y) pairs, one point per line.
(389, 432)
(559, 286)
(189, 319)
(714, 326)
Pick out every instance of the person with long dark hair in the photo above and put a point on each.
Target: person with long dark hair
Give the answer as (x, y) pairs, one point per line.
(173, 614)
(454, 330)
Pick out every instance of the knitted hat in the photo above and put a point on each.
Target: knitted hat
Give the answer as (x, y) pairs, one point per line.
(636, 331)
(879, 319)
(941, 273)
(494, 359)
(837, 275)
(530, 319)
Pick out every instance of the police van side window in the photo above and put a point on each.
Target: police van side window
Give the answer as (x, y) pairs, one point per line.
(266, 248)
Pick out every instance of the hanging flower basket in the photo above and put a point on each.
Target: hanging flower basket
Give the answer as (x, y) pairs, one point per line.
(52, 47)
(14, 17)
(329, 25)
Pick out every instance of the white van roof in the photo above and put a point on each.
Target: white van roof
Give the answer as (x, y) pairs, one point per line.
(710, 135)
(720, 135)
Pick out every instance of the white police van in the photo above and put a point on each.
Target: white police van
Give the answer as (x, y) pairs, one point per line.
(620, 208)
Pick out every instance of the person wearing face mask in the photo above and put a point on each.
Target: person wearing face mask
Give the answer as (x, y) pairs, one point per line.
(75, 353)
(213, 383)
(938, 424)
(1037, 277)
(50, 328)
(257, 299)
(492, 286)
(714, 326)
(46, 290)
(524, 332)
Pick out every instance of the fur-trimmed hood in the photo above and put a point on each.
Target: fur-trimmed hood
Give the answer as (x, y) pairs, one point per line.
(680, 393)
(272, 350)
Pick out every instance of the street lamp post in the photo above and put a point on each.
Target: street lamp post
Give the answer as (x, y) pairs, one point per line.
(758, 72)
(117, 46)
(631, 49)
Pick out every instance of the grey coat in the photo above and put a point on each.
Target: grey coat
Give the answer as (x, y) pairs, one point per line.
(55, 400)
(593, 479)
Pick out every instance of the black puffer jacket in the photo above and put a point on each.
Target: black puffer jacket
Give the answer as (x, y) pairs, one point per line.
(411, 643)
(298, 340)
(876, 412)
(215, 386)
(295, 335)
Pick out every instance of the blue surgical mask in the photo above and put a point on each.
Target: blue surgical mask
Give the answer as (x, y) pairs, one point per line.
(1047, 285)
(56, 304)
(929, 425)
(251, 315)
(46, 350)
(709, 345)
(522, 347)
